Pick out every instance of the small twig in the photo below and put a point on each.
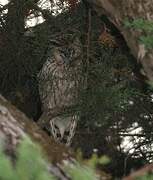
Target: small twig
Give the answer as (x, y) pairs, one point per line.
(88, 37)
(126, 134)
(88, 44)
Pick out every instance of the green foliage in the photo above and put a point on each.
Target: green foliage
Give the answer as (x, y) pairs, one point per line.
(145, 26)
(31, 165)
(93, 161)
(6, 169)
(140, 24)
(145, 177)
(147, 41)
(109, 87)
(78, 172)
(86, 171)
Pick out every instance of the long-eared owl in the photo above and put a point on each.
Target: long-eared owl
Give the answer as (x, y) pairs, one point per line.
(60, 81)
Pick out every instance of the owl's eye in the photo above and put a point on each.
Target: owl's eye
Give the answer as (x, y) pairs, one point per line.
(65, 54)
(54, 42)
(62, 56)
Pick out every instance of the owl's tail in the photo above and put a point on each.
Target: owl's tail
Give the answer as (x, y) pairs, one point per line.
(72, 130)
(64, 132)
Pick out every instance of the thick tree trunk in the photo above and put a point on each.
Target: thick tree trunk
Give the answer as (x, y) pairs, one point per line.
(14, 125)
(119, 10)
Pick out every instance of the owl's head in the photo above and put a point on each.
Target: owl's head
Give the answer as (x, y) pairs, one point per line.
(68, 52)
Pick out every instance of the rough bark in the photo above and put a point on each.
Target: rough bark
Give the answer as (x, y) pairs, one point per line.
(14, 125)
(117, 11)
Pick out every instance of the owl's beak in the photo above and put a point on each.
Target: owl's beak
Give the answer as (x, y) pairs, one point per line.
(58, 57)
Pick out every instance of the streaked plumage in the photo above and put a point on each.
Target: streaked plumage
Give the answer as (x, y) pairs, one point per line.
(59, 81)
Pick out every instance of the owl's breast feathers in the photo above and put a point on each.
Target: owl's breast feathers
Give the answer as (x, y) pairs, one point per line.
(59, 86)
(60, 81)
